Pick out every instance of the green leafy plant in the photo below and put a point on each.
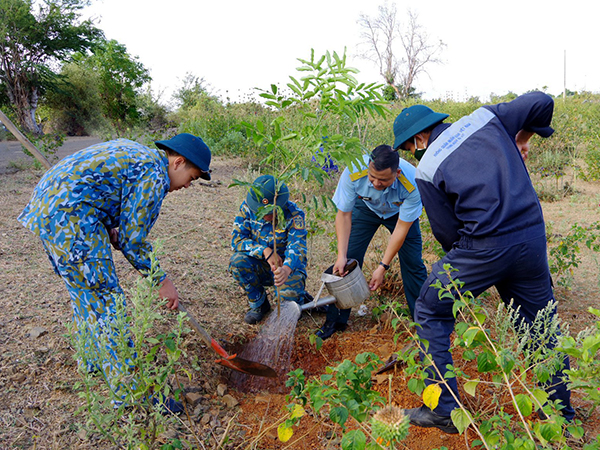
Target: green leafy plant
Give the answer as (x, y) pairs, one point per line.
(343, 393)
(325, 97)
(592, 160)
(565, 251)
(513, 360)
(326, 94)
(584, 349)
(120, 405)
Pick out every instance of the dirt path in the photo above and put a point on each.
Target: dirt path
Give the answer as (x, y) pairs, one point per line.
(12, 156)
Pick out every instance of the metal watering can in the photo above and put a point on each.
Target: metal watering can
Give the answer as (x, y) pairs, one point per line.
(346, 292)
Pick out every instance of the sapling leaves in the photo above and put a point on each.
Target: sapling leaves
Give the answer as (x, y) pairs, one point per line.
(471, 335)
(354, 440)
(506, 360)
(486, 362)
(416, 385)
(524, 404)
(345, 390)
(339, 415)
(461, 418)
(469, 355)
(284, 432)
(470, 387)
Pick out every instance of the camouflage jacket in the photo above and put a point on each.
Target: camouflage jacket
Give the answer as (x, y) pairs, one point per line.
(252, 236)
(116, 184)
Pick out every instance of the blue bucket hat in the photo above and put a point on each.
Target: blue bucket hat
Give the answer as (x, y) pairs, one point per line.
(413, 120)
(265, 184)
(191, 148)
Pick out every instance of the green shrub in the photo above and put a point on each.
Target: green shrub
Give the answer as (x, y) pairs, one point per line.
(342, 393)
(234, 143)
(509, 367)
(592, 161)
(584, 350)
(126, 416)
(565, 250)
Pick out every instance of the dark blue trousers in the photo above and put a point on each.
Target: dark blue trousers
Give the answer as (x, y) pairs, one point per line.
(519, 272)
(365, 224)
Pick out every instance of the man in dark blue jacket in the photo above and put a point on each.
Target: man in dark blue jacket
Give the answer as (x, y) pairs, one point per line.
(485, 212)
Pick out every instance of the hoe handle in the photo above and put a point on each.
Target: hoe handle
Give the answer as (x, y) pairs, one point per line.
(203, 333)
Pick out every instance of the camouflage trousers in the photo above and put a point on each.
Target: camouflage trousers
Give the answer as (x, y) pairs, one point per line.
(253, 275)
(95, 295)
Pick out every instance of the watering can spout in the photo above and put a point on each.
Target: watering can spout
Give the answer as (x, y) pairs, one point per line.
(328, 300)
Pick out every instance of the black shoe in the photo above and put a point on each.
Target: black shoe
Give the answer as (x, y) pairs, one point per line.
(257, 314)
(329, 328)
(425, 417)
(167, 405)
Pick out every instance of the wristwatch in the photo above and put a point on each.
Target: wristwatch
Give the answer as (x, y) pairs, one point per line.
(385, 266)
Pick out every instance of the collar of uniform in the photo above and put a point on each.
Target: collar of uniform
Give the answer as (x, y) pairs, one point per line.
(165, 161)
(437, 131)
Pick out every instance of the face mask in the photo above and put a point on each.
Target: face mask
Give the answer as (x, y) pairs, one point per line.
(419, 152)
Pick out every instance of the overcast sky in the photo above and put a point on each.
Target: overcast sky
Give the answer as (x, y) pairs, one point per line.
(237, 45)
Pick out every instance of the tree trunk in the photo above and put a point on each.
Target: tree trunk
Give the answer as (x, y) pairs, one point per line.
(398, 96)
(26, 107)
(29, 124)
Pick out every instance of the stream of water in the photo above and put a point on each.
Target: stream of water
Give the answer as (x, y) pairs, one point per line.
(272, 346)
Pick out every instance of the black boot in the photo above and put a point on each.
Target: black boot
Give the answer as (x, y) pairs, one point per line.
(255, 315)
(425, 417)
(330, 327)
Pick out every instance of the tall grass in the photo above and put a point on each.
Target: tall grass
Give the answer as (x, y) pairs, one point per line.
(575, 143)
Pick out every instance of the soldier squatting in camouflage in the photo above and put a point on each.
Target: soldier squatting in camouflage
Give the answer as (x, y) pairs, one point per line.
(250, 236)
(114, 184)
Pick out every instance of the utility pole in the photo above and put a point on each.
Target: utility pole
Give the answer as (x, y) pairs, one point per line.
(565, 77)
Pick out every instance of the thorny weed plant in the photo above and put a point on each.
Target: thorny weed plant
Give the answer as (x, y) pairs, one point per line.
(515, 362)
(119, 403)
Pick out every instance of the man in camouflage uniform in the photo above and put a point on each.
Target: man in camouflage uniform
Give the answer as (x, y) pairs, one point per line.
(255, 264)
(109, 193)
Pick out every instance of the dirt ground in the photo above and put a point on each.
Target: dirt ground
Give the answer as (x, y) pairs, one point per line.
(37, 371)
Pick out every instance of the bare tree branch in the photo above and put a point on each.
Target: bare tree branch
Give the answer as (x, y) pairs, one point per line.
(380, 35)
(419, 53)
